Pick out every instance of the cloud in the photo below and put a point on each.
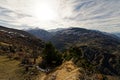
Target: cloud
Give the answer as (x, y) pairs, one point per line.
(92, 14)
(98, 14)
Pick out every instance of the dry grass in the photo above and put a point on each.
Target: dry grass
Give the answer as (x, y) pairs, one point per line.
(9, 69)
(67, 71)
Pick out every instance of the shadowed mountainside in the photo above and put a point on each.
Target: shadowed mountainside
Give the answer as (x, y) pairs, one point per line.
(75, 36)
(40, 33)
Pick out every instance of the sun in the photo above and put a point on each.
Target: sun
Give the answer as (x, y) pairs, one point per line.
(44, 12)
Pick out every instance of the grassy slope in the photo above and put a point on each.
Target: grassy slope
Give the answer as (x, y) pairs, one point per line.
(9, 69)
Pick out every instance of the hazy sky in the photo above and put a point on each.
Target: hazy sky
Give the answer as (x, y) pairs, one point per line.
(102, 15)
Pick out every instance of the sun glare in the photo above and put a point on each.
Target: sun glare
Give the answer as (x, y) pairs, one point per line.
(44, 12)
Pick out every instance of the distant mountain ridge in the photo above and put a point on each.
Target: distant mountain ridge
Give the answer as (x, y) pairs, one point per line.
(57, 29)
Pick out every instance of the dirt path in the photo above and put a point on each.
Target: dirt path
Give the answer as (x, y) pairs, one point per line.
(42, 76)
(67, 71)
(71, 74)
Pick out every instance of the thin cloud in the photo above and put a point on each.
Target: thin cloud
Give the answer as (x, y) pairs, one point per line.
(92, 14)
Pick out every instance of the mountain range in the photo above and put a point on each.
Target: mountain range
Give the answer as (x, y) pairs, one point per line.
(94, 51)
(64, 38)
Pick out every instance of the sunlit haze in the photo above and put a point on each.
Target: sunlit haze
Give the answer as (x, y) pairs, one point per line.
(101, 15)
(44, 12)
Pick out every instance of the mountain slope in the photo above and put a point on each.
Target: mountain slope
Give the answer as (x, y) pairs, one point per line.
(15, 31)
(19, 51)
(18, 40)
(76, 36)
(40, 33)
(95, 59)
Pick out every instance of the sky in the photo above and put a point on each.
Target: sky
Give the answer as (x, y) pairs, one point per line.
(103, 15)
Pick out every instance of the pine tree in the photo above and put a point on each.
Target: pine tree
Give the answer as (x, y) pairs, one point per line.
(51, 55)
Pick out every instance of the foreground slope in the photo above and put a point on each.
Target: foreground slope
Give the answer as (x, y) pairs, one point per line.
(17, 47)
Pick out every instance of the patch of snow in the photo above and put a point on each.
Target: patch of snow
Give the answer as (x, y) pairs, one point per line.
(43, 70)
